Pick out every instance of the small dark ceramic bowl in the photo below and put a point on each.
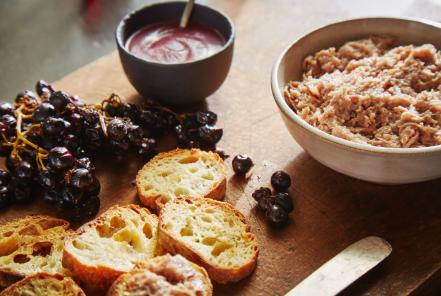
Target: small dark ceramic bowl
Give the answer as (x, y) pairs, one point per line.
(176, 84)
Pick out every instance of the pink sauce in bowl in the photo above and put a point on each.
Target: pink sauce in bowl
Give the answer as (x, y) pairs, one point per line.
(167, 43)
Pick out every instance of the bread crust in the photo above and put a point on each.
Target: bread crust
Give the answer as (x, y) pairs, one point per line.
(96, 279)
(114, 289)
(69, 284)
(155, 202)
(9, 276)
(217, 273)
(101, 276)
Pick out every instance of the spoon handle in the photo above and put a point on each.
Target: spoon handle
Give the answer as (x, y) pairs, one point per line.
(186, 14)
(343, 269)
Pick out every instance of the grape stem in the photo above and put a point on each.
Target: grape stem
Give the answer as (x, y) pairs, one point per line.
(114, 99)
(103, 124)
(21, 139)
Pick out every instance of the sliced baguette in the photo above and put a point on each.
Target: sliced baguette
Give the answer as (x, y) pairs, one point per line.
(44, 284)
(163, 276)
(210, 233)
(181, 172)
(30, 245)
(104, 248)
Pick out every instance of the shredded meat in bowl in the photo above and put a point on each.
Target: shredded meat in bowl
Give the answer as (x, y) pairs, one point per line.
(369, 92)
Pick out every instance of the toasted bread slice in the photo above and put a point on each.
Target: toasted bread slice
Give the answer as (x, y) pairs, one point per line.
(44, 284)
(181, 172)
(30, 245)
(210, 233)
(163, 276)
(104, 248)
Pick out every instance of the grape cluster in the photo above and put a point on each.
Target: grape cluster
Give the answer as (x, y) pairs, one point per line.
(278, 204)
(49, 140)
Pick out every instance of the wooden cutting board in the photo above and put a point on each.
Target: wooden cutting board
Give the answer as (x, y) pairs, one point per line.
(331, 210)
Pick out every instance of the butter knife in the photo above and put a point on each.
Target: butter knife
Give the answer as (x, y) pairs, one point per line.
(343, 269)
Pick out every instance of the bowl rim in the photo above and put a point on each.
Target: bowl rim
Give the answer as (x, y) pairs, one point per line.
(129, 15)
(283, 105)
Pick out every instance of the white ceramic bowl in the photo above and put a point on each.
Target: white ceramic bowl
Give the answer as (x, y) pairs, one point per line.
(361, 161)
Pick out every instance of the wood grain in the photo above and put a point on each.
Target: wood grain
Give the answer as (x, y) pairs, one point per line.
(344, 268)
(332, 210)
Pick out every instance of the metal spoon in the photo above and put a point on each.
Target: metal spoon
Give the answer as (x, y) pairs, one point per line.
(186, 14)
(343, 269)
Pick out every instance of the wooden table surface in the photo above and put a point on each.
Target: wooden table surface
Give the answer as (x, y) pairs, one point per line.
(332, 210)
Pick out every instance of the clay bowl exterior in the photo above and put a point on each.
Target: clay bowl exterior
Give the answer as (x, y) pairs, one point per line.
(176, 84)
(361, 161)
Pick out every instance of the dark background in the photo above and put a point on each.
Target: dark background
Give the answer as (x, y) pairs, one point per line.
(47, 39)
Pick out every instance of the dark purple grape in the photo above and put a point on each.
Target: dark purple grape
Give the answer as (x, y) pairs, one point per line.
(170, 120)
(190, 121)
(276, 215)
(5, 150)
(6, 108)
(3, 127)
(148, 146)
(264, 203)
(44, 89)
(119, 146)
(51, 196)
(262, 192)
(284, 200)
(81, 180)
(152, 119)
(8, 124)
(34, 136)
(71, 142)
(59, 99)
(11, 162)
(129, 111)
(69, 198)
(47, 179)
(5, 197)
(85, 163)
(24, 170)
(112, 108)
(242, 164)
(206, 117)
(60, 159)
(117, 129)
(42, 112)
(88, 207)
(209, 134)
(76, 100)
(70, 108)
(181, 136)
(91, 116)
(22, 191)
(55, 127)
(49, 143)
(29, 156)
(196, 144)
(93, 137)
(280, 181)
(76, 121)
(5, 177)
(79, 152)
(27, 98)
(135, 135)
(43, 84)
(95, 188)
